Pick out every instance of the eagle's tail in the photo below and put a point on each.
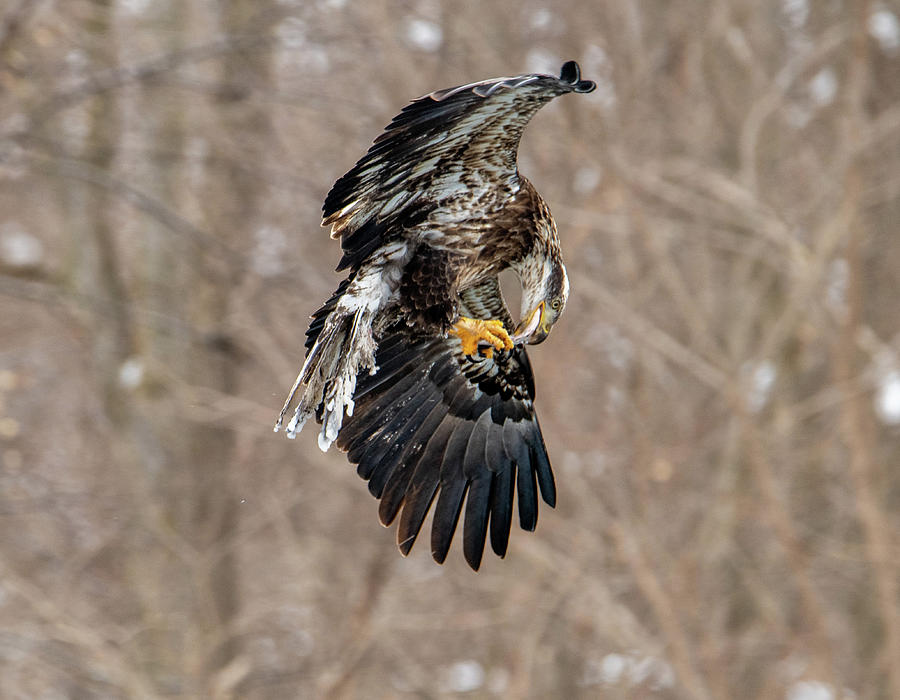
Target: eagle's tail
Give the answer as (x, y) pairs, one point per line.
(340, 345)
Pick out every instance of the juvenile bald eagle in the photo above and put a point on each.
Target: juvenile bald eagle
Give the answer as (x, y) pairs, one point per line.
(410, 367)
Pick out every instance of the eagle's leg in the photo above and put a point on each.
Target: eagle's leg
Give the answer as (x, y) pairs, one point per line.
(472, 331)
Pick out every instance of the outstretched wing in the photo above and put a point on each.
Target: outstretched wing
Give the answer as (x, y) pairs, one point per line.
(433, 425)
(457, 144)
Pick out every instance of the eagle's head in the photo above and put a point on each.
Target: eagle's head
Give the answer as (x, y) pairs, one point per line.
(545, 290)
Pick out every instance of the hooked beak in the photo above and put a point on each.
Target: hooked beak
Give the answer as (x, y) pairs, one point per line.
(532, 329)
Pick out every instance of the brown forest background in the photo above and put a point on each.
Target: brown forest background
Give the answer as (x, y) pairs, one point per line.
(720, 401)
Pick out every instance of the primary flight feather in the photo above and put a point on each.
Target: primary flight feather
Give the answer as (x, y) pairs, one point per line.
(413, 366)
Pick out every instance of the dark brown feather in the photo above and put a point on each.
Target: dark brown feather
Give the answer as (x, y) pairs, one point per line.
(463, 444)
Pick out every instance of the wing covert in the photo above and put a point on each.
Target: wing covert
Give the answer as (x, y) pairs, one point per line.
(454, 144)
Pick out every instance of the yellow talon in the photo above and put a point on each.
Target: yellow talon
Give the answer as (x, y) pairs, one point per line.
(471, 331)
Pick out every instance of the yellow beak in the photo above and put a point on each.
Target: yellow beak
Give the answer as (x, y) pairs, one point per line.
(531, 329)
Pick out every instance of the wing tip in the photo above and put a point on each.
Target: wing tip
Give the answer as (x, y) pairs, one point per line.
(439, 556)
(570, 74)
(474, 560)
(405, 544)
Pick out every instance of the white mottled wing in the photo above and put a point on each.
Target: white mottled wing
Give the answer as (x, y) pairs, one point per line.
(454, 144)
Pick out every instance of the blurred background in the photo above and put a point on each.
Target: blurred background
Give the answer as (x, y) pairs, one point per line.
(721, 401)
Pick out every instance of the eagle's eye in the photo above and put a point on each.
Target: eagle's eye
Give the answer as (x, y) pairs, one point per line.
(555, 304)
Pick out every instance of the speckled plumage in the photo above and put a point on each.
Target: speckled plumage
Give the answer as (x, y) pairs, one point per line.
(428, 218)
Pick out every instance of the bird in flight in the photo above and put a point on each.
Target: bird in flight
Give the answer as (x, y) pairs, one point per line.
(414, 366)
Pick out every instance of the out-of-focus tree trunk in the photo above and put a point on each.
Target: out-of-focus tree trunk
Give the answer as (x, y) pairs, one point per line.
(188, 580)
(195, 483)
(245, 122)
(96, 272)
(166, 574)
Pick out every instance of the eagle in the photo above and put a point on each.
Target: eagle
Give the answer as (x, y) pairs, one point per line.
(414, 367)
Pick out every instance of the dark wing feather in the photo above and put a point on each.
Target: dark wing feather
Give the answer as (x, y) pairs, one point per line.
(502, 495)
(435, 425)
(432, 152)
(446, 516)
(477, 511)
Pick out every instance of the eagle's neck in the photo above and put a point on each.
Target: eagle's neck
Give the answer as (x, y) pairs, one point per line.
(539, 272)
